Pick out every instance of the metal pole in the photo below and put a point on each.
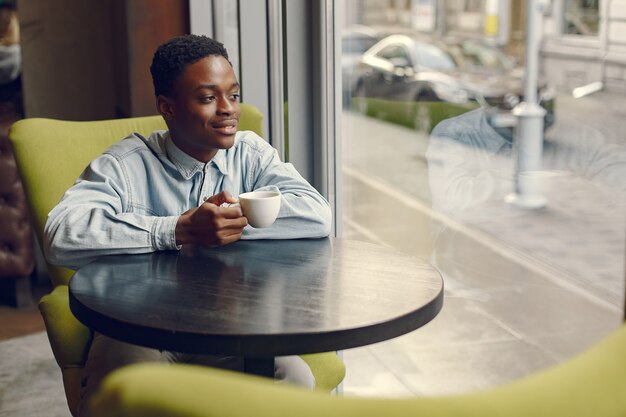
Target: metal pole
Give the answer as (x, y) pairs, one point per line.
(533, 37)
(276, 77)
(529, 132)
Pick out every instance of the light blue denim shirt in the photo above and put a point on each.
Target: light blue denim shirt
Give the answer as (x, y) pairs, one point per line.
(129, 199)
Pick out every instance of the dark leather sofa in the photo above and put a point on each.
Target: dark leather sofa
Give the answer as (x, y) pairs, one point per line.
(17, 258)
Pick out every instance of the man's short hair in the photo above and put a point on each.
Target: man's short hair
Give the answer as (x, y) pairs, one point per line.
(172, 57)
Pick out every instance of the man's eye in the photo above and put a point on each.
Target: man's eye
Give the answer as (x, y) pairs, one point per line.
(207, 99)
(235, 97)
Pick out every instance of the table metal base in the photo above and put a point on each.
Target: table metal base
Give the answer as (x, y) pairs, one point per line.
(259, 366)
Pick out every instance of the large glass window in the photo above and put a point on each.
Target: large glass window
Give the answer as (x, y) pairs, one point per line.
(532, 258)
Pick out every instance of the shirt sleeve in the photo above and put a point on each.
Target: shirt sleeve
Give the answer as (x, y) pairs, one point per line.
(304, 212)
(93, 219)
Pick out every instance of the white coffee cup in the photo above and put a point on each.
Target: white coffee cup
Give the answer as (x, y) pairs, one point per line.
(260, 207)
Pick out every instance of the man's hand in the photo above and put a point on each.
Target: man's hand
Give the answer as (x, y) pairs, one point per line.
(210, 224)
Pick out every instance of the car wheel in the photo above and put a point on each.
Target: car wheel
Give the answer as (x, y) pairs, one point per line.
(421, 118)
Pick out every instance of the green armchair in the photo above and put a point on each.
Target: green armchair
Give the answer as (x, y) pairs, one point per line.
(591, 384)
(50, 155)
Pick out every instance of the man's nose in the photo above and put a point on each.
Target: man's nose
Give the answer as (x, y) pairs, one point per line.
(225, 106)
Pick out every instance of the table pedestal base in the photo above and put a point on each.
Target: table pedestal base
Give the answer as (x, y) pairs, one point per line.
(259, 366)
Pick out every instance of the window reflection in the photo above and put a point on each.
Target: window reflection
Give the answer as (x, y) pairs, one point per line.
(429, 152)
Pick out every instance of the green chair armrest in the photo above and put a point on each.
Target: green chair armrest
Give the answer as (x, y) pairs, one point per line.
(150, 390)
(69, 338)
(592, 384)
(328, 370)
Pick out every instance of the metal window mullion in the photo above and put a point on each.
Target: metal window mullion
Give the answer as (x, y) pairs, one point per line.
(276, 76)
(329, 120)
(201, 17)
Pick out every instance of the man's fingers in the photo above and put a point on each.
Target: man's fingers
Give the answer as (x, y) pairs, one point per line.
(235, 223)
(221, 198)
(229, 235)
(229, 218)
(212, 210)
(233, 212)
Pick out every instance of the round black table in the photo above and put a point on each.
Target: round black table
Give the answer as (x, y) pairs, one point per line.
(258, 299)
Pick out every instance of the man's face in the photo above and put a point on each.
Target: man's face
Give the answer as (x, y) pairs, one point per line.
(203, 112)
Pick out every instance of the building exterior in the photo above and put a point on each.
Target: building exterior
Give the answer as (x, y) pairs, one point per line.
(585, 42)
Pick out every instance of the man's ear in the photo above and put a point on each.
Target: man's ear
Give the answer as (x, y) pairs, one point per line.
(165, 107)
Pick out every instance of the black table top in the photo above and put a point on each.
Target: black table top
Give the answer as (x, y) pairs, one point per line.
(258, 298)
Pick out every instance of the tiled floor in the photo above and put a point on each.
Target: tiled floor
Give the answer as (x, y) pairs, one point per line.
(524, 289)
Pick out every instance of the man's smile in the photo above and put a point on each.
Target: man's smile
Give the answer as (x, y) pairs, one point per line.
(227, 127)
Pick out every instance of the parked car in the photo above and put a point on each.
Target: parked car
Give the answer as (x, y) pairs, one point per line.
(355, 40)
(461, 73)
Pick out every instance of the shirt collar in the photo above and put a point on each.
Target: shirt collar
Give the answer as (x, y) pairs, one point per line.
(188, 165)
